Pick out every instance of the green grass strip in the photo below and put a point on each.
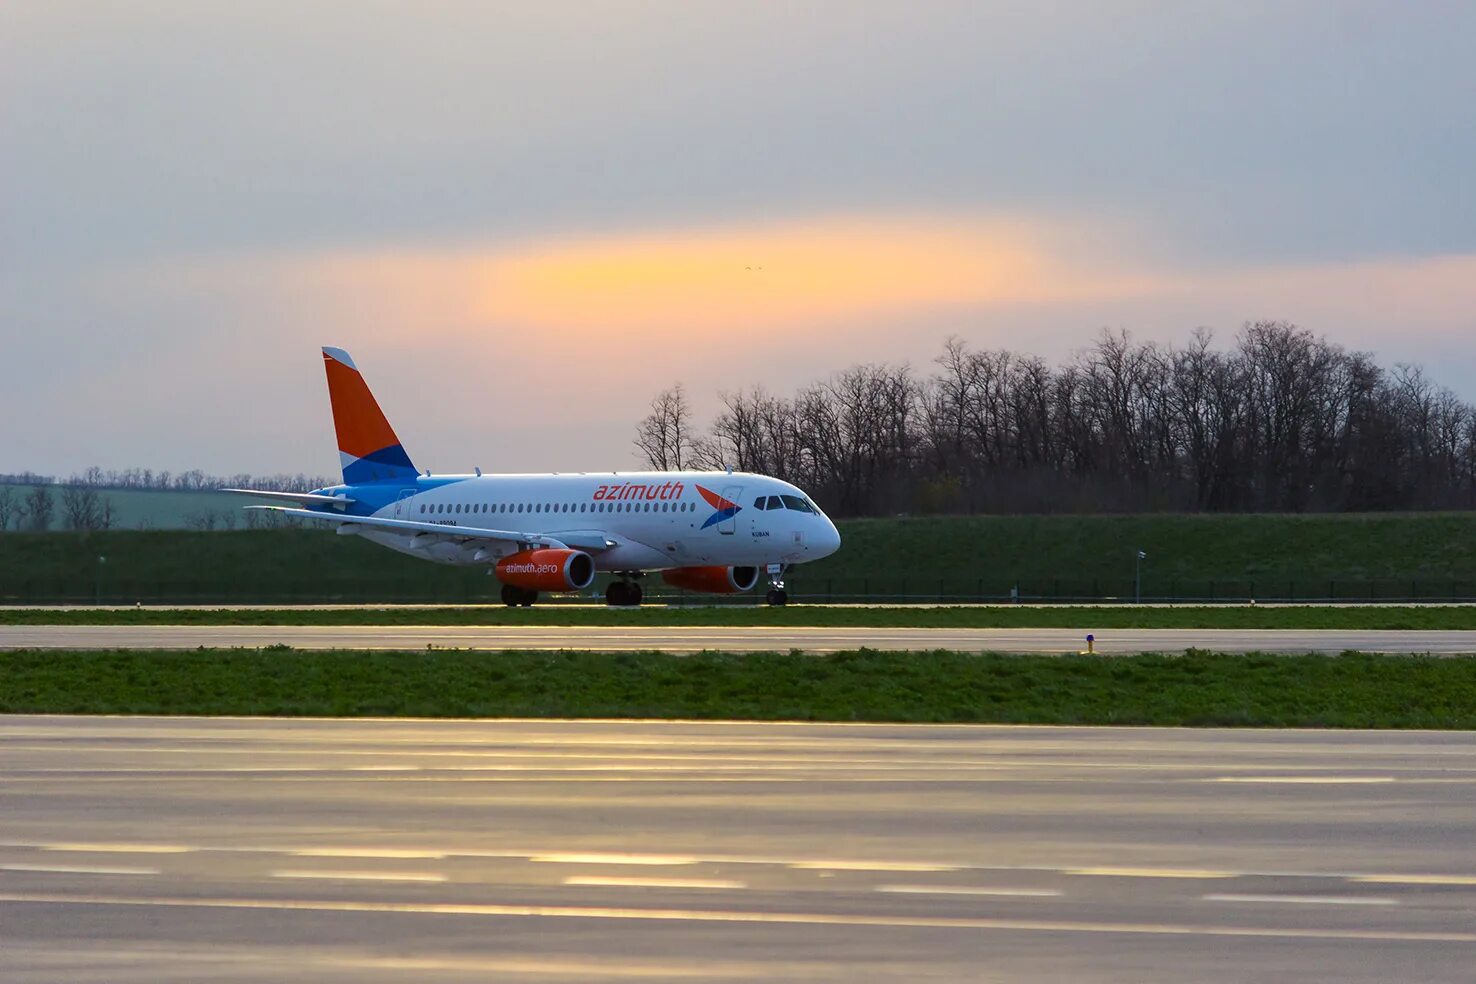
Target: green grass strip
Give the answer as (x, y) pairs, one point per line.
(1086, 618)
(1195, 689)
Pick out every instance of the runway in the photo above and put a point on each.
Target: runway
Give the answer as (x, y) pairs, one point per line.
(729, 638)
(336, 851)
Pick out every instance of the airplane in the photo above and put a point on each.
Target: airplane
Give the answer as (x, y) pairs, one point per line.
(712, 532)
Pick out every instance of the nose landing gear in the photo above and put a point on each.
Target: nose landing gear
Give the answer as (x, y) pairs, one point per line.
(776, 596)
(623, 594)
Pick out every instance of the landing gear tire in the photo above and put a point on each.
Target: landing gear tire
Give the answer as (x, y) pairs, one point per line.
(777, 597)
(623, 594)
(513, 596)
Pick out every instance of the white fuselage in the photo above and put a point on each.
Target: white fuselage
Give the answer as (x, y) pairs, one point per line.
(627, 521)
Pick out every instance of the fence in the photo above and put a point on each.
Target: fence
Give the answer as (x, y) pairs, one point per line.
(802, 588)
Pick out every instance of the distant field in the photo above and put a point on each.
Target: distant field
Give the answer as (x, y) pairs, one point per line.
(1343, 557)
(1084, 617)
(1196, 689)
(141, 509)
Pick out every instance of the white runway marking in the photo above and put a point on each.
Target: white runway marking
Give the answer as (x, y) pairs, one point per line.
(868, 866)
(117, 848)
(1301, 899)
(1308, 780)
(968, 890)
(622, 882)
(390, 876)
(364, 852)
(640, 859)
(63, 869)
(678, 860)
(1415, 879)
(736, 916)
(1150, 872)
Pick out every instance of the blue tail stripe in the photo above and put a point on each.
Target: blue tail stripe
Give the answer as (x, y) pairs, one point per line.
(385, 464)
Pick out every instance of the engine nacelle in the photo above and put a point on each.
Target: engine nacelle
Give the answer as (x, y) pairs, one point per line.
(713, 580)
(547, 570)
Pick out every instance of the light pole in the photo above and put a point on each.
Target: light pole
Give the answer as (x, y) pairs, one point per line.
(1138, 577)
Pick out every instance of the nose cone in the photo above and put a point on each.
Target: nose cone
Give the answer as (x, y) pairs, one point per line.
(827, 540)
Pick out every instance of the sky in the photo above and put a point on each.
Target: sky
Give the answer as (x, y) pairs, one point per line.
(525, 220)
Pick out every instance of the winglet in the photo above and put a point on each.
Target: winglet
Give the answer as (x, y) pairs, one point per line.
(367, 446)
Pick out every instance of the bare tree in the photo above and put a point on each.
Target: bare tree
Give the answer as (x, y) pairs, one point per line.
(83, 509)
(10, 508)
(1282, 420)
(40, 506)
(665, 437)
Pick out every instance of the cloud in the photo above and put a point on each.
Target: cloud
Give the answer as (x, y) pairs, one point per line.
(544, 352)
(812, 272)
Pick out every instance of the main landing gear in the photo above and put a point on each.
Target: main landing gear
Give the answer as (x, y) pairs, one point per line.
(513, 596)
(623, 594)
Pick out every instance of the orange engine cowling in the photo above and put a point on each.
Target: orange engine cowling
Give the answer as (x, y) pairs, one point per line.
(713, 580)
(547, 570)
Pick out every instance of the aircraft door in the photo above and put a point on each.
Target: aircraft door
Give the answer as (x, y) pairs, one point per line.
(729, 523)
(402, 504)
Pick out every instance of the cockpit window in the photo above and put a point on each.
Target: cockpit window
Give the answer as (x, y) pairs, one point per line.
(762, 502)
(797, 504)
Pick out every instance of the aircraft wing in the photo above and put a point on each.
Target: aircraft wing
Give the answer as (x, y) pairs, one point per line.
(458, 533)
(306, 498)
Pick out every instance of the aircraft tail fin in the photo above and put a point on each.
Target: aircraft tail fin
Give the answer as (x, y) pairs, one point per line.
(367, 446)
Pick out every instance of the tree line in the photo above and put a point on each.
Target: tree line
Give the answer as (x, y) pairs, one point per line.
(1282, 420)
(194, 480)
(34, 509)
(37, 503)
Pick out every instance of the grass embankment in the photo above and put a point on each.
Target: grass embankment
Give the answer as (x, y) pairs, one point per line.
(1428, 555)
(1017, 616)
(1196, 689)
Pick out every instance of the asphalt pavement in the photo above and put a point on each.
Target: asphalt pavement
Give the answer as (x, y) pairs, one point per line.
(135, 849)
(751, 638)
